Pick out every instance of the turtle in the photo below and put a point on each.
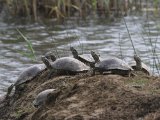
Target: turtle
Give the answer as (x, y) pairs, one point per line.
(42, 97)
(85, 58)
(28, 74)
(65, 65)
(111, 64)
(32, 71)
(25, 76)
(138, 65)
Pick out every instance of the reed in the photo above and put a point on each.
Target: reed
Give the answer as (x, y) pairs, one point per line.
(151, 47)
(31, 52)
(65, 8)
(120, 46)
(156, 60)
(129, 36)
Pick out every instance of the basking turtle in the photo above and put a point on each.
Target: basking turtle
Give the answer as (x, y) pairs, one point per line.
(43, 97)
(85, 58)
(138, 65)
(65, 65)
(32, 71)
(28, 74)
(113, 65)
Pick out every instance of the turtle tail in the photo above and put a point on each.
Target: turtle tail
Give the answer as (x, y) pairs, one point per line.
(10, 91)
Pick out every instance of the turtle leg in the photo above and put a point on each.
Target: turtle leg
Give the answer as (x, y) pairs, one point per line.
(93, 71)
(132, 74)
(52, 72)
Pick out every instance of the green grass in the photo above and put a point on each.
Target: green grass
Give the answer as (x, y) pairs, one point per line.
(17, 113)
(137, 81)
(30, 51)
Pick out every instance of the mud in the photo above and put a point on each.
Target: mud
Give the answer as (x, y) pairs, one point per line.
(85, 97)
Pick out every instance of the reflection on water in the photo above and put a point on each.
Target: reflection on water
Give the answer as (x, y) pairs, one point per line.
(106, 38)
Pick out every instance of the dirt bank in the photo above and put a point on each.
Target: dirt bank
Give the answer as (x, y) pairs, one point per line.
(84, 97)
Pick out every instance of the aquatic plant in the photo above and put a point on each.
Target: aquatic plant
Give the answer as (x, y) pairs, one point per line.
(30, 51)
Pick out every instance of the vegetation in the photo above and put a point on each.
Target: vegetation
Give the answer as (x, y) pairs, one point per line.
(65, 8)
(30, 53)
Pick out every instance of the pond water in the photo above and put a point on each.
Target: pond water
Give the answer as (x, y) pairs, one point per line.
(104, 37)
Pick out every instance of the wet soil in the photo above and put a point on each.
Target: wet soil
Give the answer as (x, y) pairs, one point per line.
(85, 97)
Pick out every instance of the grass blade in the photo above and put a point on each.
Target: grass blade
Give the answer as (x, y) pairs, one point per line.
(29, 44)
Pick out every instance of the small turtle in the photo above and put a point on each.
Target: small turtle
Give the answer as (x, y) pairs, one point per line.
(28, 74)
(42, 97)
(138, 65)
(113, 65)
(65, 65)
(32, 71)
(85, 58)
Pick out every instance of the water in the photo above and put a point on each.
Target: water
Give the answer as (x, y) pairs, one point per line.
(104, 37)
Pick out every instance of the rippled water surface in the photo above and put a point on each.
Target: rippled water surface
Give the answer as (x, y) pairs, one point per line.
(104, 37)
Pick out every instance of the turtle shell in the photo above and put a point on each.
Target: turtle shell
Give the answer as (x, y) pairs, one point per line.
(29, 73)
(112, 64)
(145, 68)
(70, 64)
(42, 97)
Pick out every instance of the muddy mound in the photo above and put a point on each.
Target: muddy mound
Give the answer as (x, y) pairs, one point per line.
(84, 97)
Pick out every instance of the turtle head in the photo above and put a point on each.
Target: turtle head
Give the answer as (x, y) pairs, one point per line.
(35, 104)
(74, 52)
(46, 62)
(138, 62)
(95, 56)
(51, 56)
